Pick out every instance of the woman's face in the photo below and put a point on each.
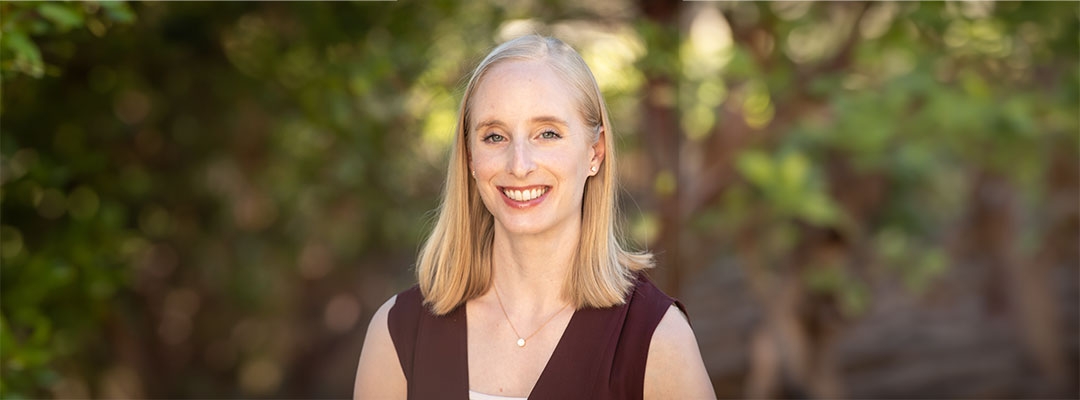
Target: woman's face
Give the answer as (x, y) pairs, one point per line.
(530, 149)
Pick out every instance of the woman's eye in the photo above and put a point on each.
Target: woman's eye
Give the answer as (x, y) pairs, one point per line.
(550, 135)
(494, 138)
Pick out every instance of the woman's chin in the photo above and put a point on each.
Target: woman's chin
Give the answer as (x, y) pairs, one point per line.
(523, 230)
(523, 226)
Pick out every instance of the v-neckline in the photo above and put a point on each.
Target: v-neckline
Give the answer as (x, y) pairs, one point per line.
(559, 349)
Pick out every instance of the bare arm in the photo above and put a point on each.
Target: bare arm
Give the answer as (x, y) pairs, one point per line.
(674, 369)
(379, 375)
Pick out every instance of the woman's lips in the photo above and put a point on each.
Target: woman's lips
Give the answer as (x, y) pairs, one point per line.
(524, 197)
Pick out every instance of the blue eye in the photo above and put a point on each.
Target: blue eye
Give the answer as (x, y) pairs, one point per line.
(494, 138)
(550, 135)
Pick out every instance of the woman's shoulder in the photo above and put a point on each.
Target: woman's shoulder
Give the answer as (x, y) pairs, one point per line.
(675, 367)
(380, 321)
(408, 298)
(403, 313)
(674, 363)
(373, 378)
(392, 328)
(650, 298)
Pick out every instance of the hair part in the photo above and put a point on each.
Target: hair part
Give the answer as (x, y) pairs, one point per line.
(454, 264)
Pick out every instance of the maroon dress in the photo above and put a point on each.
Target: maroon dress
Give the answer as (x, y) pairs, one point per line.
(601, 354)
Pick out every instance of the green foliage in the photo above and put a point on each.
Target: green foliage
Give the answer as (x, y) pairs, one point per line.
(852, 293)
(21, 21)
(789, 186)
(928, 97)
(57, 281)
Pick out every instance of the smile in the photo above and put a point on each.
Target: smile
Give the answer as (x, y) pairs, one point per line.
(524, 196)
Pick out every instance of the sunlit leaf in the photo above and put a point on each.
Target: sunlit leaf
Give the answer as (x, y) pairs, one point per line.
(757, 167)
(118, 11)
(27, 56)
(64, 15)
(794, 170)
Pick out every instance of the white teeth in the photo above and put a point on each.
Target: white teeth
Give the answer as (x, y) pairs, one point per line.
(518, 195)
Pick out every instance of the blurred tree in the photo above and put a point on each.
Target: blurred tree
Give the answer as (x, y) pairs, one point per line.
(831, 144)
(55, 296)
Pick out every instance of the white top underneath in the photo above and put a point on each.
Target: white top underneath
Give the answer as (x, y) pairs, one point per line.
(474, 395)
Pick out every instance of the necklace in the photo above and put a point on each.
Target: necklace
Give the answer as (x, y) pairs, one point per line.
(521, 340)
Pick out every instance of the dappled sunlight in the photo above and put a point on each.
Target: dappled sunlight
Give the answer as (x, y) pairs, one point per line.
(879, 18)
(980, 36)
(708, 47)
(611, 56)
(518, 27)
(757, 106)
(704, 54)
(812, 42)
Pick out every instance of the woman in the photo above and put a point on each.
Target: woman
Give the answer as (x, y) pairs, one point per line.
(524, 290)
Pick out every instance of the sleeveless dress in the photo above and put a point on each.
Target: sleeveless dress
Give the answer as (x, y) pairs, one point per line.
(601, 354)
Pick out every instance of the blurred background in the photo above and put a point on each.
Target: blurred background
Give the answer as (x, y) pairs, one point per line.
(865, 200)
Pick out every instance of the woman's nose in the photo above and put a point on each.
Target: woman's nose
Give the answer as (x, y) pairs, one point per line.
(521, 161)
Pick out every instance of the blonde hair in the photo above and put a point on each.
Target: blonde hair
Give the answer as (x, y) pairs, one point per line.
(454, 264)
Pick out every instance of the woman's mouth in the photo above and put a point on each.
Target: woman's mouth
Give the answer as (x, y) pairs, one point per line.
(524, 196)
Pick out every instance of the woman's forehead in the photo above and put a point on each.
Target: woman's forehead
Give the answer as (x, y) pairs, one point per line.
(523, 90)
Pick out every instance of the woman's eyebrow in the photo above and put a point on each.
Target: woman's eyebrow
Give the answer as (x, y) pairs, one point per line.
(488, 123)
(536, 120)
(549, 119)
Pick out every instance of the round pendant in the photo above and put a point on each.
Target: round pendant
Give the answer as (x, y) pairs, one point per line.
(521, 342)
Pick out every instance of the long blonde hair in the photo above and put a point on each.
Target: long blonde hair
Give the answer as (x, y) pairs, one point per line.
(454, 264)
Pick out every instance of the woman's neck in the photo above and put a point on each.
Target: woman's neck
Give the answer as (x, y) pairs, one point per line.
(530, 270)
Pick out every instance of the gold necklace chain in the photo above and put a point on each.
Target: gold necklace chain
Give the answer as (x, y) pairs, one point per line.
(521, 340)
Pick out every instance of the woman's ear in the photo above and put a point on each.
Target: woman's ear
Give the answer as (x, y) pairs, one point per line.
(597, 152)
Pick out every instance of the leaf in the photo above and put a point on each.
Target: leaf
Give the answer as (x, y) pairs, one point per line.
(794, 170)
(818, 209)
(63, 17)
(27, 56)
(757, 167)
(118, 11)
